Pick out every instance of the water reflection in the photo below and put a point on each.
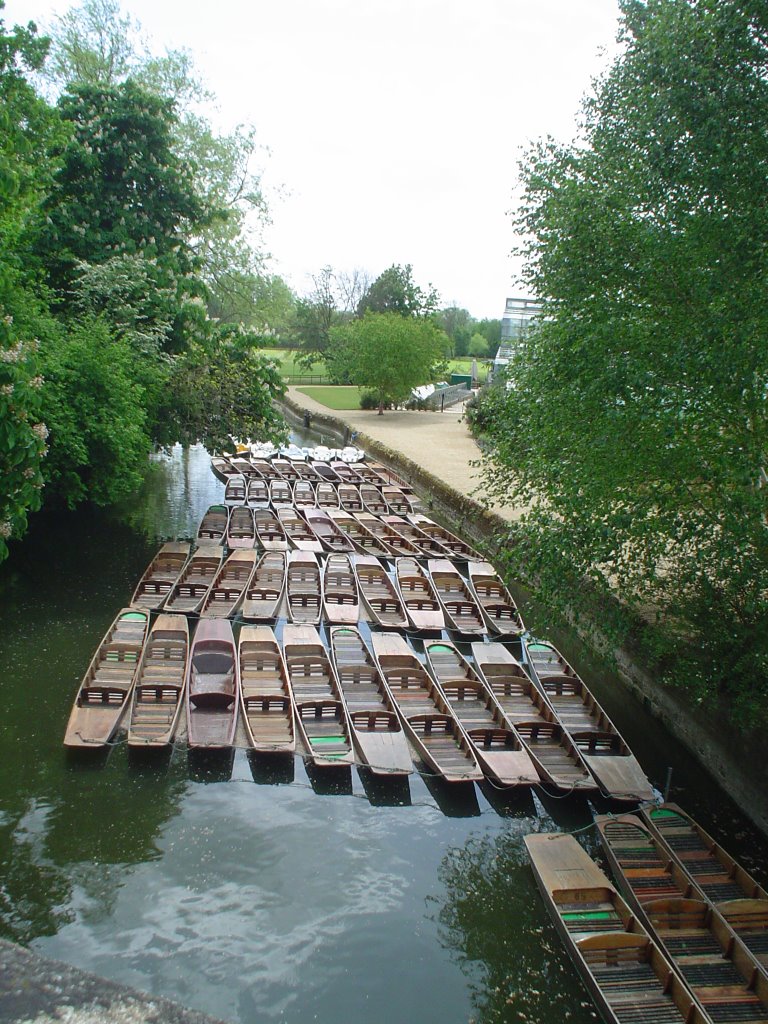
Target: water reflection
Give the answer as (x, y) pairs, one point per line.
(385, 792)
(492, 919)
(260, 900)
(269, 770)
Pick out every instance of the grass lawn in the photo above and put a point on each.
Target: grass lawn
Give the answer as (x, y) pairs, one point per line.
(334, 397)
(286, 362)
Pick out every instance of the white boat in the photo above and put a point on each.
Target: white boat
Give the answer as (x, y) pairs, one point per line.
(351, 454)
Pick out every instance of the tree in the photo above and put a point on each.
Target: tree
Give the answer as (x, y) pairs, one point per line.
(478, 346)
(387, 352)
(215, 395)
(121, 191)
(637, 426)
(394, 291)
(458, 325)
(95, 45)
(26, 128)
(315, 316)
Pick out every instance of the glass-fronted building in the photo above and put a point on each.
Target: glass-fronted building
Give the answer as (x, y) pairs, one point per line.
(518, 314)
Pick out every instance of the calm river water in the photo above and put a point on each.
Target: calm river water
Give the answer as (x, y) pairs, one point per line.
(255, 892)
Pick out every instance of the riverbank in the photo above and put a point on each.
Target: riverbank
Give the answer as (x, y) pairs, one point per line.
(437, 454)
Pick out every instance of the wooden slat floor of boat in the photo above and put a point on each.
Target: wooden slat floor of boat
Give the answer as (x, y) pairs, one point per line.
(310, 676)
(325, 728)
(634, 994)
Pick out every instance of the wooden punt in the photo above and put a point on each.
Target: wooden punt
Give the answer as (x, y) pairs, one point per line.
(462, 612)
(321, 718)
(360, 537)
(604, 750)
(258, 493)
(306, 472)
(235, 491)
(552, 751)
(265, 694)
(341, 599)
(388, 477)
(344, 471)
(376, 729)
(160, 575)
(300, 534)
(327, 529)
(718, 876)
(421, 602)
(106, 688)
(426, 546)
(269, 530)
(378, 590)
(395, 541)
(303, 588)
(159, 690)
(641, 862)
(324, 471)
(715, 964)
(496, 603)
(367, 474)
(629, 977)
(304, 494)
(243, 465)
(370, 495)
(455, 545)
(264, 594)
(266, 469)
(222, 468)
(349, 497)
(400, 504)
(286, 469)
(191, 588)
(650, 873)
(495, 744)
(327, 495)
(428, 721)
(241, 532)
(213, 686)
(230, 585)
(280, 493)
(213, 525)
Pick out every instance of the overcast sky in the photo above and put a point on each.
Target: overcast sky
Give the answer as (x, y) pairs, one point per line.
(393, 126)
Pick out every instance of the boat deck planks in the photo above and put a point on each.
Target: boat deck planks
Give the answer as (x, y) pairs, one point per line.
(158, 695)
(376, 729)
(105, 691)
(427, 718)
(265, 693)
(496, 746)
(629, 977)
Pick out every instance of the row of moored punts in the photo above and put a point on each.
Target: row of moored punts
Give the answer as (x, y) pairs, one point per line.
(687, 939)
(520, 718)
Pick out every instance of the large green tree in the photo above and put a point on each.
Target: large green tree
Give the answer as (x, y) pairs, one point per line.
(637, 425)
(387, 352)
(26, 127)
(395, 291)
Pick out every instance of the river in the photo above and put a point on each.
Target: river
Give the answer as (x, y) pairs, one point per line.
(258, 892)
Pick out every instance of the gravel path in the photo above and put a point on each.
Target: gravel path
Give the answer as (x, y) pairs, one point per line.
(439, 442)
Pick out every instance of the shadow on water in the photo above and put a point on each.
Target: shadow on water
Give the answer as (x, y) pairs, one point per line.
(272, 769)
(335, 781)
(210, 765)
(455, 799)
(385, 791)
(509, 801)
(490, 916)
